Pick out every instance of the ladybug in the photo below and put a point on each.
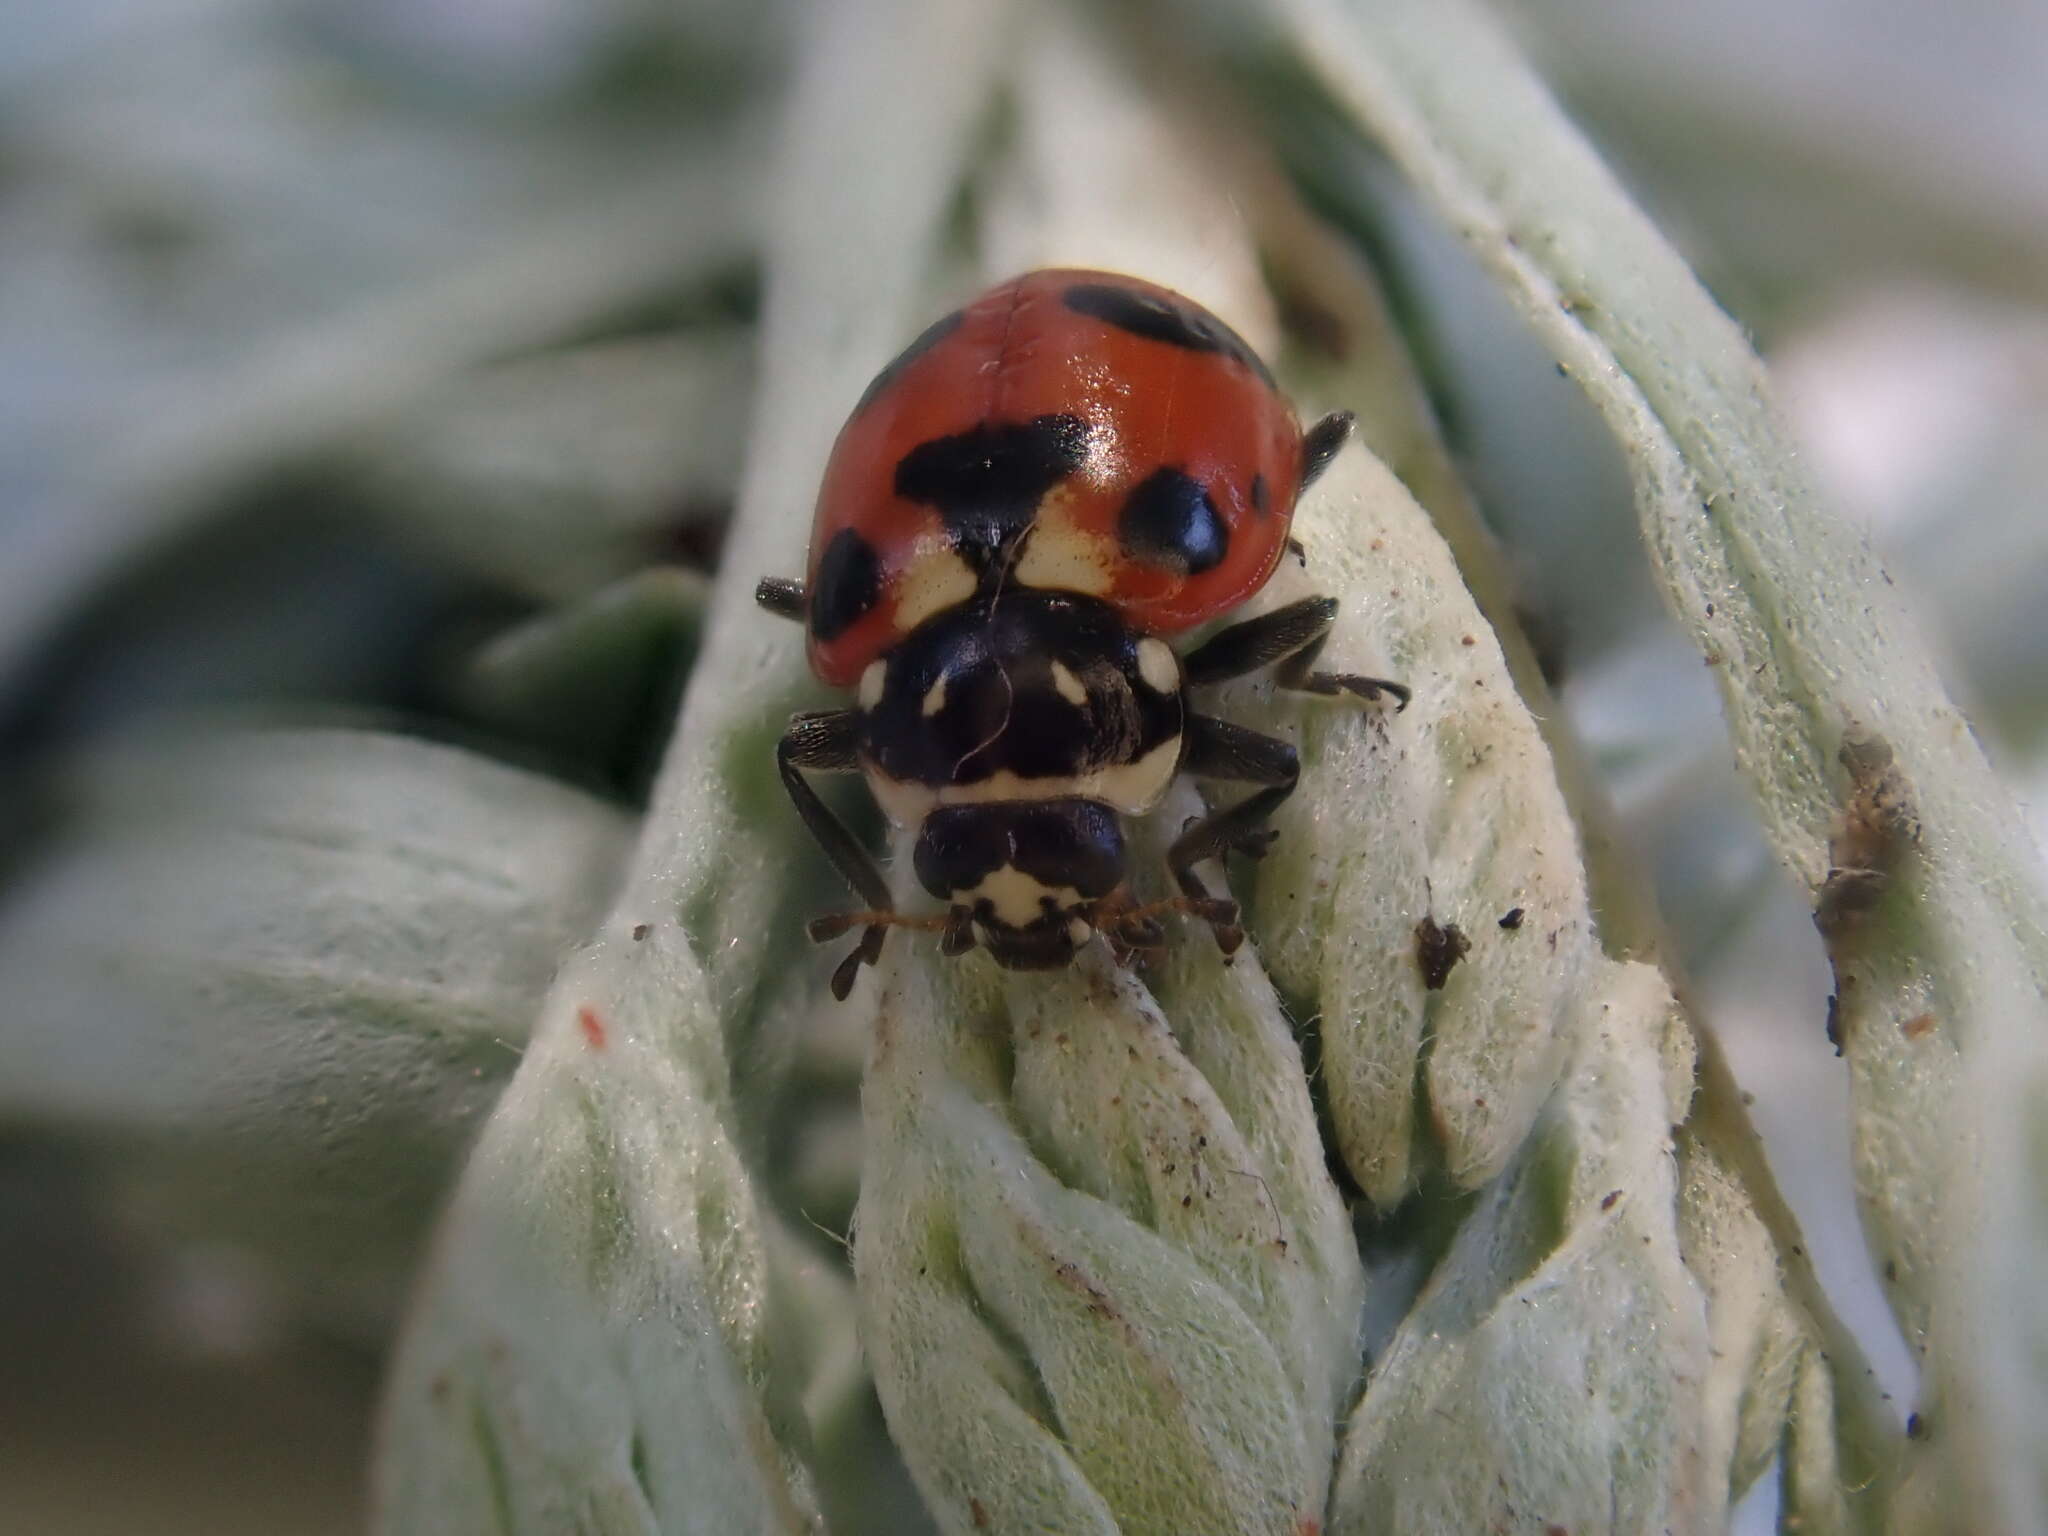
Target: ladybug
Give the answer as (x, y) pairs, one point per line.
(1039, 490)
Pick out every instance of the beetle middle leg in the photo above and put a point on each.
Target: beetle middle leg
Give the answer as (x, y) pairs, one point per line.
(1216, 749)
(1294, 637)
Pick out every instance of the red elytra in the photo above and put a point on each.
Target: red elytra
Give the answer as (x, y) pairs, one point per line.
(1160, 382)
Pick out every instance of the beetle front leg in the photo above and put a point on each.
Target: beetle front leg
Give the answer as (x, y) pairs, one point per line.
(828, 742)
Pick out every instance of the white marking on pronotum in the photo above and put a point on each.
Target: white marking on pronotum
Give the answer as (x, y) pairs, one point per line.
(872, 682)
(1158, 665)
(1069, 686)
(934, 697)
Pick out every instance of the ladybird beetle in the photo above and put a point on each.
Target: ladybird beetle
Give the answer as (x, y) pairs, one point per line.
(1038, 489)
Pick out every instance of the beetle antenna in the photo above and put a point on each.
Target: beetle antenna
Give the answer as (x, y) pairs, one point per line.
(1210, 909)
(824, 930)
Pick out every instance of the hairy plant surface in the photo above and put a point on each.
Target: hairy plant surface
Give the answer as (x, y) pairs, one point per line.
(1435, 1209)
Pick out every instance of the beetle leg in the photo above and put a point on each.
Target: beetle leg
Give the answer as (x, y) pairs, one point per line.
(1132, 931)
(957, 937)
(1295, 673)
(827, 742)
(1292, 636)
(1319, 445)
(1254, 643)
(1216, 749)
(781, 596)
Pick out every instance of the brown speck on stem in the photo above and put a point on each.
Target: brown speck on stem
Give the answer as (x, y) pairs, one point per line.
(1874, 836)
(1878, 826)
(1438, 947)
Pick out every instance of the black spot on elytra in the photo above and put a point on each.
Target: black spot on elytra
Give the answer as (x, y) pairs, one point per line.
(986, 483)
(849, 582)
(928, 338)
(1162, 317)
(1262, 500)
(1170, 521)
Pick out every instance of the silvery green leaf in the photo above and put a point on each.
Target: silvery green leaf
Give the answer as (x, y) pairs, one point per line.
(2002, 1399)
(1870, 785)
(1769, 1391)
(1812, 646)
(1552, 1368)
(605, 1282)
(272, 360)
(280, 975)
(1756, 1337)
(556, 473)
(1446, 813)
(1473, 1385)
(1105, 1282)
(593, 682)
(592, 1347)
(1840, 1434)
(1355, 354)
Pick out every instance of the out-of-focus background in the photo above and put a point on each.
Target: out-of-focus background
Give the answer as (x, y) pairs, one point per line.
(339, 338)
